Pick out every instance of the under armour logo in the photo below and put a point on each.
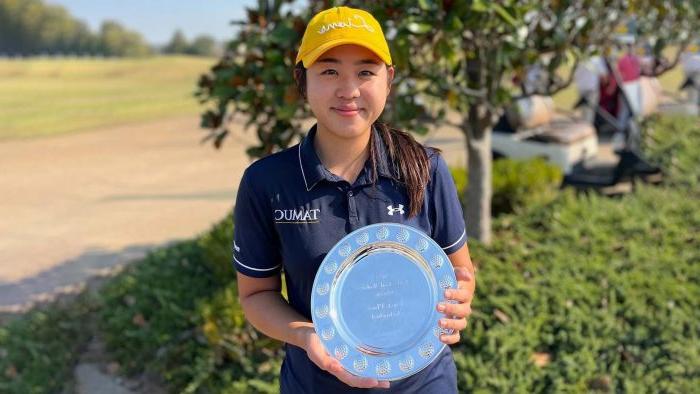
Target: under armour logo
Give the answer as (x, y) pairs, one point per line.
(392, 210)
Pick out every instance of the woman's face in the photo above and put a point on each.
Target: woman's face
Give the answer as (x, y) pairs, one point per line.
(347, 88)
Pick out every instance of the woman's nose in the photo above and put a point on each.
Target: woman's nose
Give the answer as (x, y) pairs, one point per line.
(347, 88)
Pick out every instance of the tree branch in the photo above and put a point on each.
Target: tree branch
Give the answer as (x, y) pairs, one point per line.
(480, 94)
(665, 66)
(555, 87)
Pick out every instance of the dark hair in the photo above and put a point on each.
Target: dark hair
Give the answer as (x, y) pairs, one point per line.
(409, 158)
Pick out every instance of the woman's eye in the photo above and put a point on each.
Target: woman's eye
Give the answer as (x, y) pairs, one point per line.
(363, 73)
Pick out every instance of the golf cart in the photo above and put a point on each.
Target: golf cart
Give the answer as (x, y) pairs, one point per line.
(635, 99)
(531, 128)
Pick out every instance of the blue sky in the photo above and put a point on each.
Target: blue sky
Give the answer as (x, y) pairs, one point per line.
(156, 20)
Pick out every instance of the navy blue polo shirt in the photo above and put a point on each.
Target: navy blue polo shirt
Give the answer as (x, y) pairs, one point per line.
(290, 211)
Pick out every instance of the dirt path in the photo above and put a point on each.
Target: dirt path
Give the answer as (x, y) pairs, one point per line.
(74, 206)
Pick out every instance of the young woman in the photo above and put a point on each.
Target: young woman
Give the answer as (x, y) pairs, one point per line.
(348, 172)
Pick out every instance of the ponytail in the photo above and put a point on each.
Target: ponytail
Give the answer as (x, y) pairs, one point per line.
(410, 162)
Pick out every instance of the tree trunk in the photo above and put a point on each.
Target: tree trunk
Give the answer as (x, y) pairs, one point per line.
(477, 127)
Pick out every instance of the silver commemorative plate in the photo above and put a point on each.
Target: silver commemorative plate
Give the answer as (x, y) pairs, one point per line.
(374, 299)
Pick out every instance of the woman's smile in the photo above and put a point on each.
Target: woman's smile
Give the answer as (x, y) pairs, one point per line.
(347, 110)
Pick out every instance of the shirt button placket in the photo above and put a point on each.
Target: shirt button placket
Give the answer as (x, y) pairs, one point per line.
(352, 208)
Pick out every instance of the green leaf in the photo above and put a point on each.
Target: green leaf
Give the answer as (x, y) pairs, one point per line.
(479, 6)
(282, 35)
(447, 52)
(504, 14)
(419, 28)
(286, 112)
(401, 51)
(455, 24)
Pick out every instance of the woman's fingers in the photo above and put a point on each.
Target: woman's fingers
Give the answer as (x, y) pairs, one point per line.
(356, 381)
(453, 324)
(459, 295)
(455, 320)
(450, 339)
(463, 276)
(457, 310)
(323, 360)
(352, 380)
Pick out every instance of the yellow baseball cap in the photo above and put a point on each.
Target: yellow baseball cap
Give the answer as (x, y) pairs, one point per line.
(338, 26)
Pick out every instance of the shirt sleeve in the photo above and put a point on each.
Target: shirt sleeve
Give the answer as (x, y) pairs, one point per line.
(447, 218)
(255, 241)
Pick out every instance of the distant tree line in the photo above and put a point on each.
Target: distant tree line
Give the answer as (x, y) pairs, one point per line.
(202, 45)
(31, 27)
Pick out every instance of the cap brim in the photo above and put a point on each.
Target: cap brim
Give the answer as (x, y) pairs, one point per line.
(312, 56)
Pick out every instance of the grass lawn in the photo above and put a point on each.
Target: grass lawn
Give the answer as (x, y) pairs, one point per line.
(40, 97)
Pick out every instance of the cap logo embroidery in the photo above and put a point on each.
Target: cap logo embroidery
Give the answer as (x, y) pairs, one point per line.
(340, 24)
(393, 210)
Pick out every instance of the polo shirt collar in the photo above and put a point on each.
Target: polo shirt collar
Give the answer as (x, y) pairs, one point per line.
(313, 171)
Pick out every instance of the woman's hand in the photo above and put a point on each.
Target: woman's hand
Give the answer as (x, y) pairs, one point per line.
(317, 353)
(456, 313)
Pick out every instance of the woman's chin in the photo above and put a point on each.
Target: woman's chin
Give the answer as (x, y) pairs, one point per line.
(349, 131)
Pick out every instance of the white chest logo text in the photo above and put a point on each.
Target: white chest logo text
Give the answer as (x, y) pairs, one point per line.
(393, 210)
(296, 215)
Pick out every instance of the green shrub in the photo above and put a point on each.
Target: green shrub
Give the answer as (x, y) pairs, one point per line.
(517, 184)
(216, 245)
(39, 350)
(666, 136)
(176, 313)
(246, 361)
(601, 293)
(149, 310)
